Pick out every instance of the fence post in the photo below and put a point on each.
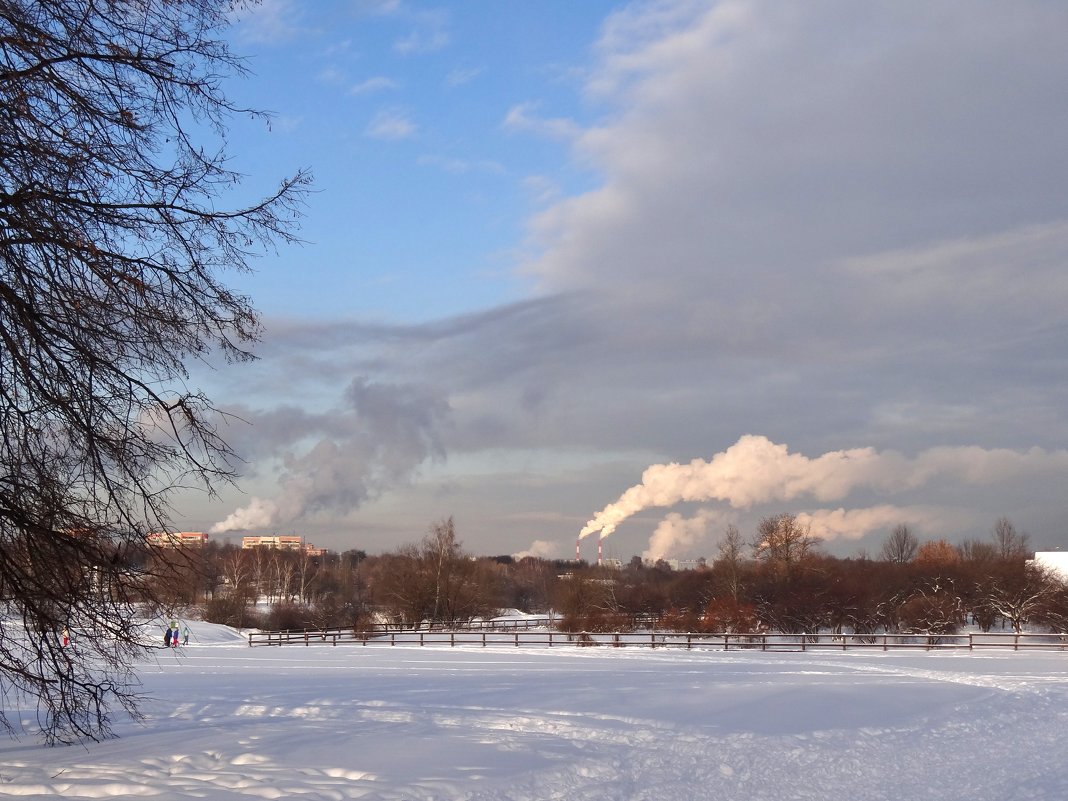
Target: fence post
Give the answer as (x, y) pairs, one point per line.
(420, 639)
(689, 644)
(550, 638)
(517, 638)
(483, 638)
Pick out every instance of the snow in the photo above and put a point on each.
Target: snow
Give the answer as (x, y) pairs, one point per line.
(225, 721)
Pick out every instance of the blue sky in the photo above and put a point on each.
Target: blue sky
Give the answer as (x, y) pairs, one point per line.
(423, 184)
(813, 252)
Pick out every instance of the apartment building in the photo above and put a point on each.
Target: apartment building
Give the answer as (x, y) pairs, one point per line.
(177, 539)
(282, 542)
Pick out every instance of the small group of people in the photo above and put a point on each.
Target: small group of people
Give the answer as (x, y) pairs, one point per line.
(170, 636)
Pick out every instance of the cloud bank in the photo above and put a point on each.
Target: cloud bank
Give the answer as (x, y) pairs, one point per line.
(825, 222)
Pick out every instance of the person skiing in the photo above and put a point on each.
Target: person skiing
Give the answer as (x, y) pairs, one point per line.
(167, 638)
(185, 636)
(66, 638)
(174, 633)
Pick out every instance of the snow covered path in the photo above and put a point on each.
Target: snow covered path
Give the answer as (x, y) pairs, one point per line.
(230, 722)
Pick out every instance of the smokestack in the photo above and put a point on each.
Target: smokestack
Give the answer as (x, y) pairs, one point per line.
(600, 550)
(578, 549)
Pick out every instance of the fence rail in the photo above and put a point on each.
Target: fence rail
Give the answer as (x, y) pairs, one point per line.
(525, 637)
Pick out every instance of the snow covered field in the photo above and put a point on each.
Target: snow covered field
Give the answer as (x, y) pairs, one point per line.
(231, 722)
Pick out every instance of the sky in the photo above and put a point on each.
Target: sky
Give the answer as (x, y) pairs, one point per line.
(502, 723)
(812, 254)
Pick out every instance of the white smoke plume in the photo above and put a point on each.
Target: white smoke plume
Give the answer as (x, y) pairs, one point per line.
(258, 513)
(675, 533)
(853, 524)
(540, 549)
(756, 470)
(336, 460)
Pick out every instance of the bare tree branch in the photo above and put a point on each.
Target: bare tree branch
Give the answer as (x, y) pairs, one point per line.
(113, 255)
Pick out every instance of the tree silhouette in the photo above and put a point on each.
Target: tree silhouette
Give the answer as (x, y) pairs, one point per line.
(113, 249)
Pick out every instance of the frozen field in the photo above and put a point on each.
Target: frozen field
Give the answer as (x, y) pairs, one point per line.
(229, 722)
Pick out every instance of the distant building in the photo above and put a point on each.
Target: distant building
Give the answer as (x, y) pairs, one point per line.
(177, 539)
(686, 564)
(276, 543)
(1055, 562)
(282, 542)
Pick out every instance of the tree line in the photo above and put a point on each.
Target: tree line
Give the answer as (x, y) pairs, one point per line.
(779, 580)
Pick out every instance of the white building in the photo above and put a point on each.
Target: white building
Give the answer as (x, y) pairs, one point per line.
(177, 539)
(1054, 561)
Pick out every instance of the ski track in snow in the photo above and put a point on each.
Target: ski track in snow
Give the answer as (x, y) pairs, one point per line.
(438, 724)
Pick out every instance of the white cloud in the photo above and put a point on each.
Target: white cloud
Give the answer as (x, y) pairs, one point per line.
(331, 75)
(377, 83)
(422, 42)
(430, 31)
(460, 166)
(521, 118)
(542, 189)
(391, 124)
(270, 21)
(462, 76)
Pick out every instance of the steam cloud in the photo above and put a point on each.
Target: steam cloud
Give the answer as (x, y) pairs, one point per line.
(756, 470)
(382, 434)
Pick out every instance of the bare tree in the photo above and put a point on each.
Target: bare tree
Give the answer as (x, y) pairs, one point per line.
(933, 607)
(114, 243)
(935, 554)
(1019, 592)
(977, 553)
(731, 549)
(901, 545)
(783, 542)
(435, 582)
(1010, 543)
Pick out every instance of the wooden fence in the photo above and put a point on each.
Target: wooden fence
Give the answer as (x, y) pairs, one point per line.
(525, 637)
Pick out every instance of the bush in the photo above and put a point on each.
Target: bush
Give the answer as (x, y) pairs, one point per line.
(289, 616)
(930, 614)
(727, 615)
(231, 611)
